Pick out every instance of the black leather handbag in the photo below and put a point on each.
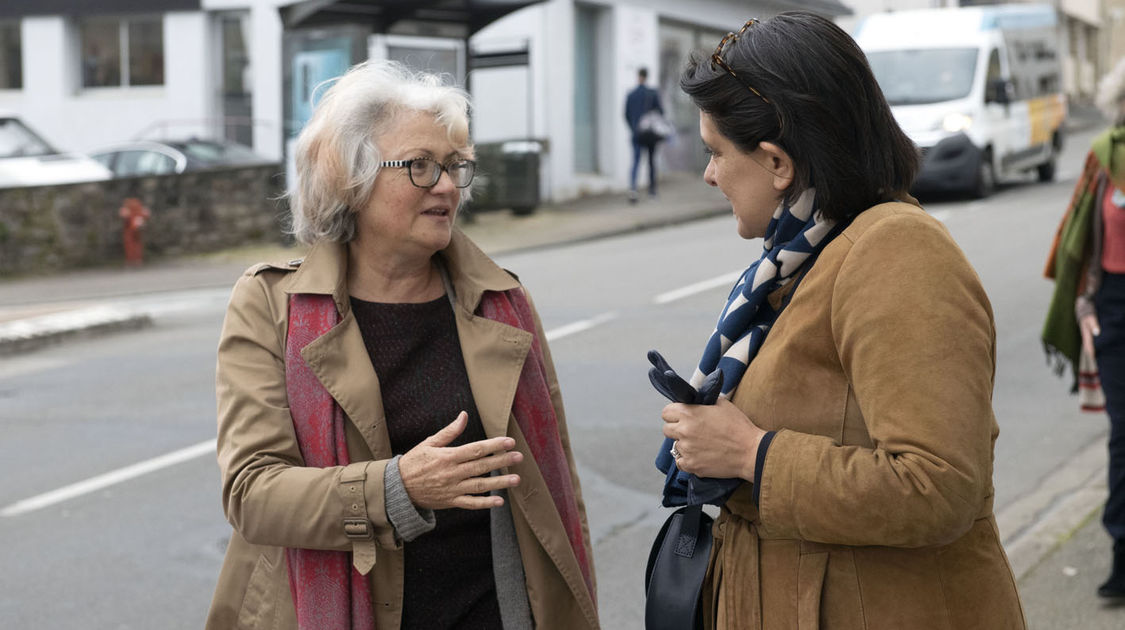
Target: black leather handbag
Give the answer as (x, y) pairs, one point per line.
(677, 565)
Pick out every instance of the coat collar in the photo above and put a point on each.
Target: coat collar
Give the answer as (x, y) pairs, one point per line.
(494, 355)
(494, 352)
(325, 271)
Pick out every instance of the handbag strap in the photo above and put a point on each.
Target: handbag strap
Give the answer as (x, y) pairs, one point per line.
(689, 531)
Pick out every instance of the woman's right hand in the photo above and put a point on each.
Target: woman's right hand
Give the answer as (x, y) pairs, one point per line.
(438, 476)
(1089, 328)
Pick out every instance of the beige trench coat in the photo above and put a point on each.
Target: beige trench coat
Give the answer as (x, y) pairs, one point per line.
(876, 493)
(273, 502)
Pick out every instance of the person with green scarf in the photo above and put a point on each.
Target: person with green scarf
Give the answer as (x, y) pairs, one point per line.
(1085, 324)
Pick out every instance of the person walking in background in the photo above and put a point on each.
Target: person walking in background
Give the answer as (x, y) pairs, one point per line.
(380, 401)
(646, 130)
(1085, 324)
(851, 448)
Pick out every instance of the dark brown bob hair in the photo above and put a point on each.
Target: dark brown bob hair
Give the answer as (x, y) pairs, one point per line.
(818, 100)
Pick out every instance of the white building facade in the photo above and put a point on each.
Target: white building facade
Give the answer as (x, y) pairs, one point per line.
(90, 74)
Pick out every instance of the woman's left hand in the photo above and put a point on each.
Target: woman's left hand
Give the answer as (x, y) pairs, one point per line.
(713, 440)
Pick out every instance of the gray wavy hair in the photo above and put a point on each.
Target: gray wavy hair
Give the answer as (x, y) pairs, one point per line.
(337, 153)
(1111, 93)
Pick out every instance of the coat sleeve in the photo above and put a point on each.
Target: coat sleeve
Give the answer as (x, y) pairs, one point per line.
(269, 496)
(915, 338)
(560, 415)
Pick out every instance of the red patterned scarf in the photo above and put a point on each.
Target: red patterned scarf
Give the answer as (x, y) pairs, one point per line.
(331, 595)
(328, 592)
(536, 418)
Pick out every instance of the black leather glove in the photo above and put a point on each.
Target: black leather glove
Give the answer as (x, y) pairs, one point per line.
(676, 389)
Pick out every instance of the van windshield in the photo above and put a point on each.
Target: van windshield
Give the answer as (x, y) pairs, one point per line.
(16, 140)
(930, 75)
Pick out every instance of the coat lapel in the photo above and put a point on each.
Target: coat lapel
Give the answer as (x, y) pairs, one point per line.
(339, 358)
(494, 358)
(494, 354)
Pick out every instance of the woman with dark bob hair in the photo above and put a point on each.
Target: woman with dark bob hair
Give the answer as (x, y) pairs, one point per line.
(391, 439)
(851, 443)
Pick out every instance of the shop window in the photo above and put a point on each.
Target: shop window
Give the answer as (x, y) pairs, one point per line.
(11, 58)
(235, 98)
(122, 52)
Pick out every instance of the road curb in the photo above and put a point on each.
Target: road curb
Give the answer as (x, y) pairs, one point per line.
(26, 335)
(1034, 526)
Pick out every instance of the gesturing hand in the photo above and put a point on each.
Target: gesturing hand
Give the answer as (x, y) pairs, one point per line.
(438, 476)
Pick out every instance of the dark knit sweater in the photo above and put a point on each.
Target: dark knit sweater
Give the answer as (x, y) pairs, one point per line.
(424, 385)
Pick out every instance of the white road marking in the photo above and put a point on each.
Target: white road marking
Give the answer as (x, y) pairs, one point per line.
(121, 475)
(99, 482)
(726, 279)
(579, 326)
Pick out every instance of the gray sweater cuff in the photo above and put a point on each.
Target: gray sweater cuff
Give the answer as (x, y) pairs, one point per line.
(409, 522)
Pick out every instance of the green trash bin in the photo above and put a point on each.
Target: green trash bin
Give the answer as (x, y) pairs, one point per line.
(521, 175)
(488, 184)
(507, 176)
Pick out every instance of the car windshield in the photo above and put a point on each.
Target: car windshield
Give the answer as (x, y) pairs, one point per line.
(931, 75)
(16, 140)
(216, 153)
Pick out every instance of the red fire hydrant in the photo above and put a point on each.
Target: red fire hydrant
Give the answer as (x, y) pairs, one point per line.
(134, 214)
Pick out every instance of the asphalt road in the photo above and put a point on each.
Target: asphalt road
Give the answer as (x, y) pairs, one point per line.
(145, 552)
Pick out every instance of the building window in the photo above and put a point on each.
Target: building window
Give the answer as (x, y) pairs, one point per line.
(586, 89)
(236, 97)
(122, 52)
(11, 60)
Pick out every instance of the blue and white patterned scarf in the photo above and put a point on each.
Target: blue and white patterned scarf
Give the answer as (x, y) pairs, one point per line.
(795, 233)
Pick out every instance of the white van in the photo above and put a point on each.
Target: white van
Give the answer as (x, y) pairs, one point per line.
(978, 89)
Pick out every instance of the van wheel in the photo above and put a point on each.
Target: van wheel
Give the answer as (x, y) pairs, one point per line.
(1046, 170)
(985, 183)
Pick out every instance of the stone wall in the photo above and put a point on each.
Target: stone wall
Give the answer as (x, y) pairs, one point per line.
(45, 228)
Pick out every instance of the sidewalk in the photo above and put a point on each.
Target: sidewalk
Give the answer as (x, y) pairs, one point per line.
(42, 310)
(1061, 591)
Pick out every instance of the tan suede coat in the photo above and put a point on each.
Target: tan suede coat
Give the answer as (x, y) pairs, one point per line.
(273, 502)
(875, 508)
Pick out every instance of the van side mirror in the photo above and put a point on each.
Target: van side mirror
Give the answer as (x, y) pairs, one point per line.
(1000, 91)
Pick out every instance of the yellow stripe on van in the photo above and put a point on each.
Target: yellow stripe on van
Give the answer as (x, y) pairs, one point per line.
(1047, 114)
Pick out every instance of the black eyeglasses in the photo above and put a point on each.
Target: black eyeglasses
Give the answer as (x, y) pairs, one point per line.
(425, 172)
(717, 56)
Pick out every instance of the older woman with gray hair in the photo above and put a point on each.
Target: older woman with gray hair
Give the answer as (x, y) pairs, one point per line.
(391, 435)
(1085, 325)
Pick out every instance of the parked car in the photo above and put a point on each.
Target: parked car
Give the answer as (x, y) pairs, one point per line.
(152, 157)
(26, 159)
